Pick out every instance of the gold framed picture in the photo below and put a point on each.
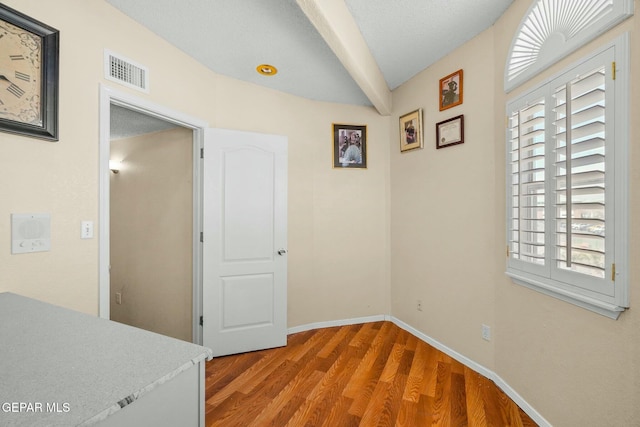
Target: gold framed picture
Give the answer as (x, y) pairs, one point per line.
(411, 131)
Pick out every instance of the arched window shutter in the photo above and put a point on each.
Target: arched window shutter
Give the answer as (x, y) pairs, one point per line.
(552, 29)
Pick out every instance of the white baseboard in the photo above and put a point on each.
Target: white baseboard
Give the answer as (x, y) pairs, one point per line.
(506, 388)
(482, 370)
(446, 350)
(332, 323)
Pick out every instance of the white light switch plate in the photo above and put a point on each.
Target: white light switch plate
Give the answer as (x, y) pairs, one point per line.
(87, 230)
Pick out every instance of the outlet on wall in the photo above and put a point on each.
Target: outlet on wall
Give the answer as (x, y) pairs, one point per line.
(118, 298)
(486, 332)
(419, 306)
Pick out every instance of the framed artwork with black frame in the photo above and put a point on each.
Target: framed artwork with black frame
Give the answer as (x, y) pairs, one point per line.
(29, 67)
(450, 132)
(349, 146)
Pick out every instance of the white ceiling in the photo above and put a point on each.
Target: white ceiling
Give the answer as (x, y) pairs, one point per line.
(126, 123)
(233, 37)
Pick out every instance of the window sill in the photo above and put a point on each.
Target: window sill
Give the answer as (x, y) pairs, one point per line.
(611, 311)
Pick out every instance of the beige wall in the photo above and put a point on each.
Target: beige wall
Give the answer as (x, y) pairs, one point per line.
(338, 219)
(151, 232)
(575, 367)
(429, 223)
(333, 214)
(443, 209)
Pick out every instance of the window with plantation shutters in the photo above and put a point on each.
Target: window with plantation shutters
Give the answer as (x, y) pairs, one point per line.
(527, 140)
(567, 217)
(580, 153)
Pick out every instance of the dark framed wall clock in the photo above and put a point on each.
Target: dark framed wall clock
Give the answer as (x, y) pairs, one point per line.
(29, 66)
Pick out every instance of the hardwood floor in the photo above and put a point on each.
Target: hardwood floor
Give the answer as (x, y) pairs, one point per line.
(373, 374)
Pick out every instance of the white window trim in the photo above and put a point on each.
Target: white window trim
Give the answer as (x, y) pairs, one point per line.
(564, 291)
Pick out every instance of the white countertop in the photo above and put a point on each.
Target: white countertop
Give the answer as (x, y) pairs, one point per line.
(59, 367)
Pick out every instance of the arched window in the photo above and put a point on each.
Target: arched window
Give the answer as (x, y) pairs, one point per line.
(567, 166)
(552, 29)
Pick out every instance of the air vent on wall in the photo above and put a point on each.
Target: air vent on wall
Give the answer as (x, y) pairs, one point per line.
(125, 72)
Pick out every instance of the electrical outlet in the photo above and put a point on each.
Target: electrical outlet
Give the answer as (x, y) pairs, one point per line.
(118, 298)
(486, 332)
(419, 306)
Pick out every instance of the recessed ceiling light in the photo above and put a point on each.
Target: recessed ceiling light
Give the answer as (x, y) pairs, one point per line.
(267, 70)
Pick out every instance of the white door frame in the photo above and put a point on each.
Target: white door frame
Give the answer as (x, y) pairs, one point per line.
(110, 96)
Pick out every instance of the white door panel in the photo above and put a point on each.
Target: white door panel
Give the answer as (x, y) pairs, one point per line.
(247, 301)
(245, 225)
(248, 204)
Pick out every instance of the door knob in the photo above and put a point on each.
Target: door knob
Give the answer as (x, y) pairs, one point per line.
(281, 252)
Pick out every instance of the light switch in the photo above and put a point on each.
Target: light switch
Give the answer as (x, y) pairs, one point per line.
(87, 230)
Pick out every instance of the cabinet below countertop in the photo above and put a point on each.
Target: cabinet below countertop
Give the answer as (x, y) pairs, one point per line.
(59, 367)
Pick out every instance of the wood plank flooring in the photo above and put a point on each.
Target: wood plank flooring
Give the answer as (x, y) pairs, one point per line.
(372, 374)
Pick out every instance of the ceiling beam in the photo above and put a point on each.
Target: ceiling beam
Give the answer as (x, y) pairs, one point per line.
(337, 27)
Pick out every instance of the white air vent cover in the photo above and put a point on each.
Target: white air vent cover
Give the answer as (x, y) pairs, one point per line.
(126, 72)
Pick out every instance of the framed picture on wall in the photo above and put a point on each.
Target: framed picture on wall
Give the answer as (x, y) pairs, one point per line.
(349, 146)
(411, 131)
(451, 90)
(28, 76)
(450, 132)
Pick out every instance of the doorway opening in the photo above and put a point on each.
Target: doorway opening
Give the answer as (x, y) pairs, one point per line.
(150, 216)
(151, 213)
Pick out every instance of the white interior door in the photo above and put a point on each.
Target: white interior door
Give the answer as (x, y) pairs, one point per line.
(244, 290)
